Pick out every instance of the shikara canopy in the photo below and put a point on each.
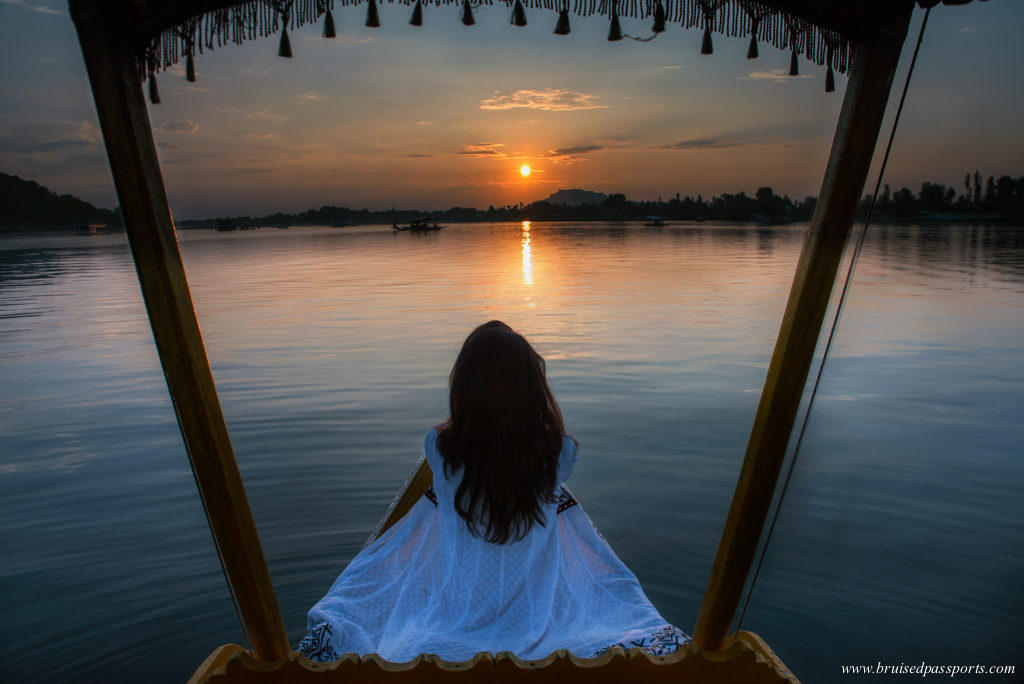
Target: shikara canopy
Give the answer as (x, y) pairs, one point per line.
(123, 40)
(822, 31)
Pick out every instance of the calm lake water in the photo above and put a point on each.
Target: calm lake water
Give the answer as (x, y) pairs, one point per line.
(901, 538)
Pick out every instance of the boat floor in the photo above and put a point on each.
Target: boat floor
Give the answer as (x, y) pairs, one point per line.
(747, 661)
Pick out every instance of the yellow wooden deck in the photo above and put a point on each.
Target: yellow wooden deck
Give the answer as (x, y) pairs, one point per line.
(747, 661)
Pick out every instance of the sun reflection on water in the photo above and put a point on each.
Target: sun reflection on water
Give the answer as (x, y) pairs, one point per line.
(527, 255)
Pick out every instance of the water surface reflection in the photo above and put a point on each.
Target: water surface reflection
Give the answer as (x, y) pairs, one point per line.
(331, 349)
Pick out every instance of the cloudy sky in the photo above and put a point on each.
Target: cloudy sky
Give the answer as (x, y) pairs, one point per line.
(445, 115)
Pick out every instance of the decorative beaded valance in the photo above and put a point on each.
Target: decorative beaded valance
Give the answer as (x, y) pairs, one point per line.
(803, 27)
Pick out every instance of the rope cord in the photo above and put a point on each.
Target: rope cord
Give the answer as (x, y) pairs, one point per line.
(220, 556)
(835, 322)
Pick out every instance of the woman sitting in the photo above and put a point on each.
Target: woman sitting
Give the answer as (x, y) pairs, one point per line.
(497, 556)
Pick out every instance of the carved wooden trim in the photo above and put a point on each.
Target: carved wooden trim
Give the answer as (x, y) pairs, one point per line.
(747, 661)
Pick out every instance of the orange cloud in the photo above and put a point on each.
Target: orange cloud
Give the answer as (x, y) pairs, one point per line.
(483, 149)
(569, 155)
(180, 126)
(549, 99)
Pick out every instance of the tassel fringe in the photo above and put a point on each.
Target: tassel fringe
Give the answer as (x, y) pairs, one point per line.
(706, 48)
(562, 26)
(659, 18)
(372, 15)
(467, 13)
(329, 31)
(285, 47)
(615, 30)
(190, 69)
(762, 21)
(154, 94)
(518, 14)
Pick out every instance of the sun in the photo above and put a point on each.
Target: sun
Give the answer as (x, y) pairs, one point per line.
(525, 170)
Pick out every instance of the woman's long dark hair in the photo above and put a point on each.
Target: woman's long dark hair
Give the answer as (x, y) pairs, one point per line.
(505, 432)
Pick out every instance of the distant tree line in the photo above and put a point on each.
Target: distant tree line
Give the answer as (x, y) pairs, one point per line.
(997, 198)
(1003, 195)
(26, 203)
(765, 204)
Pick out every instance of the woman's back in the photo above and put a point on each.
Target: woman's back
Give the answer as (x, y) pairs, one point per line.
(504, 432)
(429, 585)
(502, 589)
(497, 556)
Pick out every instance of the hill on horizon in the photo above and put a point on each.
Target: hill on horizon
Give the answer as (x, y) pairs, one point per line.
(576, 197)
(27, 203)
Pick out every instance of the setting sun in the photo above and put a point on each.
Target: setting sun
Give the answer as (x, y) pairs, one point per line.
(525, 170)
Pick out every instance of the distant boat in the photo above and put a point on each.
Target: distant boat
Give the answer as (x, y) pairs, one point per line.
(340, 223)
(93, 229)
(655, 222)
(418, 226)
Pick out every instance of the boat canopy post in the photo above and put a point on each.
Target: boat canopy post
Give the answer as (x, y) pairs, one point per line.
(875, 59)
(113, 67)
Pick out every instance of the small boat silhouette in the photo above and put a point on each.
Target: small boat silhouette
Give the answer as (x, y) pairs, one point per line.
(418, 226)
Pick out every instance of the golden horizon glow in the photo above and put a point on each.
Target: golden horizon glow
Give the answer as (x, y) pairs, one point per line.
(525, 170)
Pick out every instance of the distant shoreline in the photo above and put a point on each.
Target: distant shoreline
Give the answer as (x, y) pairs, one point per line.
(29, 207)
(963, 220)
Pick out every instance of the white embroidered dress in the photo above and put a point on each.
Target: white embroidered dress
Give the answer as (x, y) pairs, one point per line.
(428, 585)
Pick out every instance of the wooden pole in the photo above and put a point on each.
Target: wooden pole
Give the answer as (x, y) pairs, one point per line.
(421, 480)
(867, 92)
(111, 62)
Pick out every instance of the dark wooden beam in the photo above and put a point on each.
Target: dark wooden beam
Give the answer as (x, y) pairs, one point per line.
(117, 90)
(856, 135)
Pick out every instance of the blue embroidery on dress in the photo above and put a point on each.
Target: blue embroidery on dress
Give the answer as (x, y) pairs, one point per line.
(317, 644)
(666, 640)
